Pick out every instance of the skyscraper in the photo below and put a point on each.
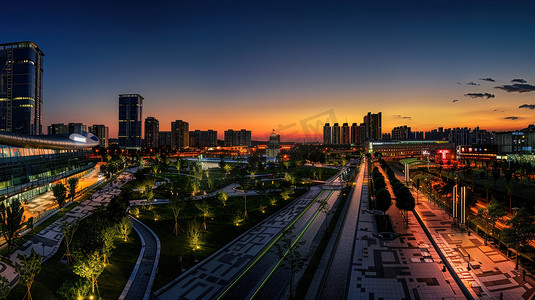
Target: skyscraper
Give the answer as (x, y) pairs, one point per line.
(152, 129)
(336, 134)
(130, 115)
(179, 134)
(201, 139)
(373, 126)
(345, 134)
(102, 132)
(21, 97)
(327, 138)
(58, 128)
(77, 128)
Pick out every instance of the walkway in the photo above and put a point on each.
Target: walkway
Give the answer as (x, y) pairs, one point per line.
(139, 285)
(209, 278)
(491, 272)
(48, 240)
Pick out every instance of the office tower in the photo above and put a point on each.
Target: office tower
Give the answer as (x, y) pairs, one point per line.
(130, 115)
(345, 134)
(151, 132)
(237, 138)
(77, 128)
(199, 138)
(58, 128)
(179, 134)
(102, 132)
(327, 137)
(164, 139)
(21, 97)
(336, 134)
(401, 133)
(353, 134)
(373, 126)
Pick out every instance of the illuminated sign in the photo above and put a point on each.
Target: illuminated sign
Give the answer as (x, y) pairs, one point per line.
(425, 152)
(80, 139)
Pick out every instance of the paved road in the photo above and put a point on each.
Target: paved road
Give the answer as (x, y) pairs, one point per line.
(139, 285)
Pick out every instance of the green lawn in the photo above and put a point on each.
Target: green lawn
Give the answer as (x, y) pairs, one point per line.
(220, 231)
(111, 282)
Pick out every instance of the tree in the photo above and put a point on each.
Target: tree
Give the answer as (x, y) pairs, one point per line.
(383, 200)
(27, 268)
(73, 184)
(253, 173)
(495, 173)
(244, 187)
(60, 193)
(75, 290)
(149, 193)
(11, 219)
(68, 230)
(223, 197)
(125, 227)
(227, 168)
(206, 210)
(107, 238)
(4, 287)
(89, 267)
(521, 232)
(292, 259)
(496, 212)
(194, 236)
(176, 207)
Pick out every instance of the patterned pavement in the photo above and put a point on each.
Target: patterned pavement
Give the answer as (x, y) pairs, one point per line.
(48, 240)
(408, 265)
(209, 278)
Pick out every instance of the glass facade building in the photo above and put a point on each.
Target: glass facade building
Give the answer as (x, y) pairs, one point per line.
(29, 164)
(130, 115)
(21, 101)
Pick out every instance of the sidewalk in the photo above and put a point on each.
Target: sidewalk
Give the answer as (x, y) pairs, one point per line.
(48, 240)
(407, 267)
(491, 273)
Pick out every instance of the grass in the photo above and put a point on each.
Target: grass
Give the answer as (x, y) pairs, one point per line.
(111, 282)
(220, 231)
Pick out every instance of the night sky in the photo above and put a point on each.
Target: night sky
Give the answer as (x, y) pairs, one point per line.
(265, 65)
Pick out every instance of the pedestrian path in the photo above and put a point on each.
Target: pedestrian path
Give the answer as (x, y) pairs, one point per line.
(210, 277)
(48, 240)
(485, 271)
(406, 267)
(139, 285)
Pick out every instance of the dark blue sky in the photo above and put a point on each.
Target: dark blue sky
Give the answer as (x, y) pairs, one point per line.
(263, 64)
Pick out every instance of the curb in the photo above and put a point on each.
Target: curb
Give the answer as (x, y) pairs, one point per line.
(136, 267)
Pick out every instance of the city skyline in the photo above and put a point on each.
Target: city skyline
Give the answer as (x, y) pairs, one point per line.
(267, 66)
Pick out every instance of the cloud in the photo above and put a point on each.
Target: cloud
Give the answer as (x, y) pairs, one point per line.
(479, 95)
(459, 83)
(401, 117)
(528, 106)
(518, 80)
(472, 83)
(517, 87)
(512, 118)
(487, 79)
(455, 100)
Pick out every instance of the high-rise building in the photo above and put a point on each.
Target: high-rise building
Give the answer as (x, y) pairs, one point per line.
(102, 132)
(327, 137)
(77, 128)
(130, 115)
(353, 134)
(361, 134)
(336, 134)
(237, 137)
(201, 139)
(164, 139)
(151, 132)
(345, 134)
(401, 133)
(179, 134)
(21, 97)
(373, 126)
(58, 128)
